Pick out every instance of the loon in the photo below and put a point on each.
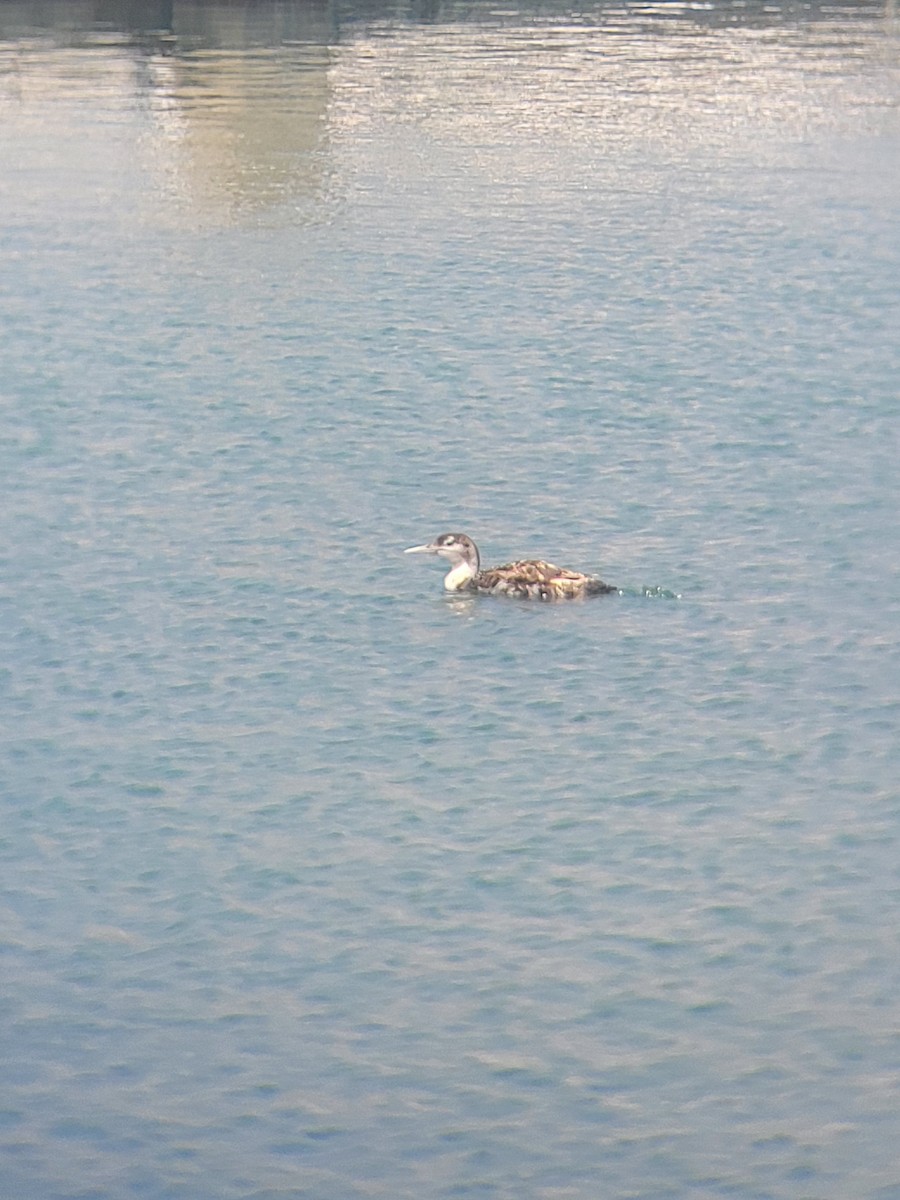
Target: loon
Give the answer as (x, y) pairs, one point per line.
(530, 579)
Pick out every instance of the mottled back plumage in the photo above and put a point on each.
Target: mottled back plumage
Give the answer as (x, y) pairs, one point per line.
(527, 579)
(534, 579)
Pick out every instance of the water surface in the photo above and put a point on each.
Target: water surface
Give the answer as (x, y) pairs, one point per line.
(317, 882)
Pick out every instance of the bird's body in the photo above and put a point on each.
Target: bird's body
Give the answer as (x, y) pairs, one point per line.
(528, 579)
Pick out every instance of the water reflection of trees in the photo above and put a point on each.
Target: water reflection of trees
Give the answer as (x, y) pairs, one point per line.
(240, 23)
(214, 22)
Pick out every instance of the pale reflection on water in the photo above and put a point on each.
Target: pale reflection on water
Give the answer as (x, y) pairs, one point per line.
(230, 103)
(241, 110)
(242, 130)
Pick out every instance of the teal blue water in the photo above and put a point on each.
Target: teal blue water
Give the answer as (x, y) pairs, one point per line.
(315, 881)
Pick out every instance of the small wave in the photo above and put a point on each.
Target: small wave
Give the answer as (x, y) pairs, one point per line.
(651, 593)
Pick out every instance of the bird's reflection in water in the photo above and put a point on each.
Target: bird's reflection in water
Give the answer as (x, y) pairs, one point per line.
(461, 605)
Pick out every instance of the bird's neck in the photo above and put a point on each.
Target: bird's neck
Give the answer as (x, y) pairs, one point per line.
(459, 576)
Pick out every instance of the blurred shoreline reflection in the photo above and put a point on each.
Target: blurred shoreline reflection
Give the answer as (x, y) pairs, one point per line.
(239, 107)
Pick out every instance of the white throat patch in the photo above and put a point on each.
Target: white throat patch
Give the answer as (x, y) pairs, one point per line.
(458, 578)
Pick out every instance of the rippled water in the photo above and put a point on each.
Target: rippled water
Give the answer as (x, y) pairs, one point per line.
(317, 882)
